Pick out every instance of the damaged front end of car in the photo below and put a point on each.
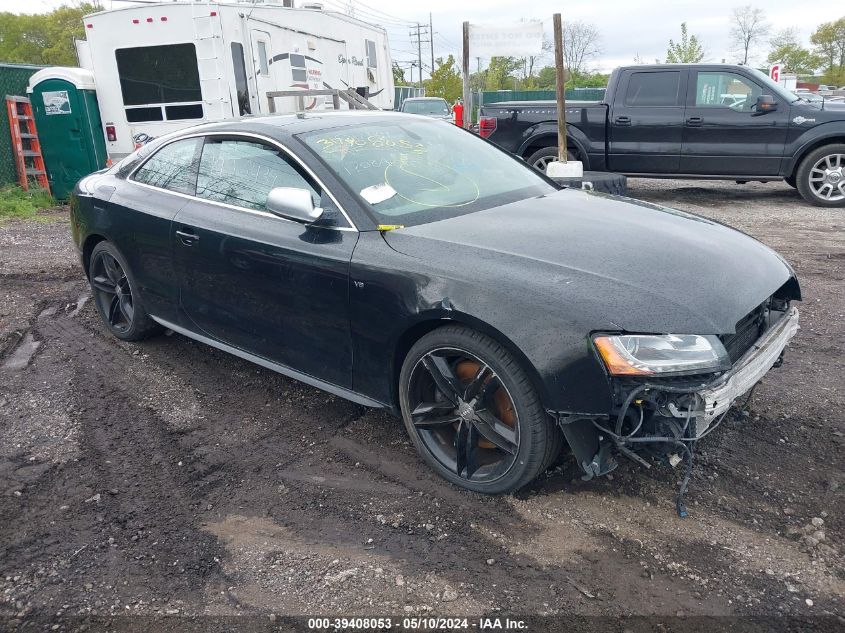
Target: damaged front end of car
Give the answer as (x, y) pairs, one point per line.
(669, 391)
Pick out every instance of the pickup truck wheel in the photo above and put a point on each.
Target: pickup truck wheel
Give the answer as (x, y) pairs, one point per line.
(821, 176)
(472, 412)
(542, 157)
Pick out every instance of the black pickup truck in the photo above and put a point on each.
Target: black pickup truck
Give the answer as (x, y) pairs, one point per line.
(714, 121)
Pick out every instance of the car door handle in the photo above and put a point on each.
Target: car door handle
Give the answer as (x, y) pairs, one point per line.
(623, 120)
(695, 121)
(188, 239)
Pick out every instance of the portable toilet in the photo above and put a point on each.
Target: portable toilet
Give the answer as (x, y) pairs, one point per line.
(67, 118)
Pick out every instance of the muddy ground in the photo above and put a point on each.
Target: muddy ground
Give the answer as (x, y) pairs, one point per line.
(168, 478)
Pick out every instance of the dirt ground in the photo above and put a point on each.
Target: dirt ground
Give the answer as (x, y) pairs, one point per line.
(168, 478)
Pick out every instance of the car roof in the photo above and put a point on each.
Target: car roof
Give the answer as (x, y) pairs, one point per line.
(424, 99)
(286, 125)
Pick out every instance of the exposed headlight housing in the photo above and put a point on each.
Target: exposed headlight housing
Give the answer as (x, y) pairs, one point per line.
(659, 355)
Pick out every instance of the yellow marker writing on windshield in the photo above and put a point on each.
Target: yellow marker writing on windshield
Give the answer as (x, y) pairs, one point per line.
(390, 227)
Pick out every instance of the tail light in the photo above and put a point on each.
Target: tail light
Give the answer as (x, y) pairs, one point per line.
(486, 126)
(111, 133)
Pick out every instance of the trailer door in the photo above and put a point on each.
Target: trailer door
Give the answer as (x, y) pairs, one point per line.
(262, 53)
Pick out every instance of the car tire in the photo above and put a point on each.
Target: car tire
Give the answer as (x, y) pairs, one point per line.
(116, 295)
(821, 176)
(529, 441)
(542, 157)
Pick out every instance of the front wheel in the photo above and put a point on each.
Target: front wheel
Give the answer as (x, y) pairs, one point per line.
(473, 413)
(821, 176)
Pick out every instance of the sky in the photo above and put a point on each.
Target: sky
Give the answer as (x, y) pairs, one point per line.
(629, 28)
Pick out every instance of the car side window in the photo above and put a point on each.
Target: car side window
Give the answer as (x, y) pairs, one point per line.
(727, 90)
(242, 173)
(653, 88)
(173, 167)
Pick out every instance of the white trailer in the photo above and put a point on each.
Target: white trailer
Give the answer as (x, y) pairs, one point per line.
(161, 67)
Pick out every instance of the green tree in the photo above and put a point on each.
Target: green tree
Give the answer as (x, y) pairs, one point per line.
(829, 43)
(500, 73)
(44, 38)
(445, 80)
(546, 78)
(398, 75)
(786, 49)
(688, 51)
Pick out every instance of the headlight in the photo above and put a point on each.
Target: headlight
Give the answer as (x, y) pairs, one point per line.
(650, 354)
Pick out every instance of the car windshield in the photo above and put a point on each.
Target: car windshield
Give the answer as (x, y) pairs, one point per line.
(416, 171)
(426, 106)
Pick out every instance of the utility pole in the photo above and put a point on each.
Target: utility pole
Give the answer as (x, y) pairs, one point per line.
(419, 51)
(419, 33)
(431, 39)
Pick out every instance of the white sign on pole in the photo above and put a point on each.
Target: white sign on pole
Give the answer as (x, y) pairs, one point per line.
(517, 40)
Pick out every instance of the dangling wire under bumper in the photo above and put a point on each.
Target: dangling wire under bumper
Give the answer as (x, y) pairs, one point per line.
(673, 415)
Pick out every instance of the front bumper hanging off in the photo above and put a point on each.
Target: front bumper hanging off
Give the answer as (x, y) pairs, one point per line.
(694, 408)
(718, 396)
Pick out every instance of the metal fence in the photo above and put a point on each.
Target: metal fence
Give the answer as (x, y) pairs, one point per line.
(13, 81)
(576, 94)
(400, 93)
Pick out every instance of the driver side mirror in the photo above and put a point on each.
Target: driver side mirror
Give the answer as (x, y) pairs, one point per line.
(294, 204)
(765, 103)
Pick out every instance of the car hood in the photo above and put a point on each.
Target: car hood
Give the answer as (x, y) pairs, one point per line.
(618, 263)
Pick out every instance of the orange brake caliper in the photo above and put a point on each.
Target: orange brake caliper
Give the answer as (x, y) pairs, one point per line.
(502, 405)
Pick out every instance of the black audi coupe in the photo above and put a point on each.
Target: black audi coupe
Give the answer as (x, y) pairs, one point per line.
(403, 263)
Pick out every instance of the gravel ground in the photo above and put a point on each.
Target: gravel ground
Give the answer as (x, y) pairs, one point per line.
(168, 478)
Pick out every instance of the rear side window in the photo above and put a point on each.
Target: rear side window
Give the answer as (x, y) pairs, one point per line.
(242, 173)
(653, 88)
(173, 167)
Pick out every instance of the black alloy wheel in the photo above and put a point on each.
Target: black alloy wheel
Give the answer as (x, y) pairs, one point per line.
(112, 292)
(117, 302)
(473, 414)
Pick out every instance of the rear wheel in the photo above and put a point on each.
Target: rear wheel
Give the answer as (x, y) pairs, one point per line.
(116, 297)
(821, 176)
(540, 159)
(473, 413)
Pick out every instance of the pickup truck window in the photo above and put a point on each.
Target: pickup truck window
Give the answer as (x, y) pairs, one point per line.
(724, 89)
(653, 88)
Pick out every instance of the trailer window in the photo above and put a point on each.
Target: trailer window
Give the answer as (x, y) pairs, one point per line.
(240, 78)
(372, 60)
(298, 70)
(154, 79)
(263, 67)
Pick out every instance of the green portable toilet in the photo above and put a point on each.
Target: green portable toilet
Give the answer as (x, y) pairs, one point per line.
(67, 118)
